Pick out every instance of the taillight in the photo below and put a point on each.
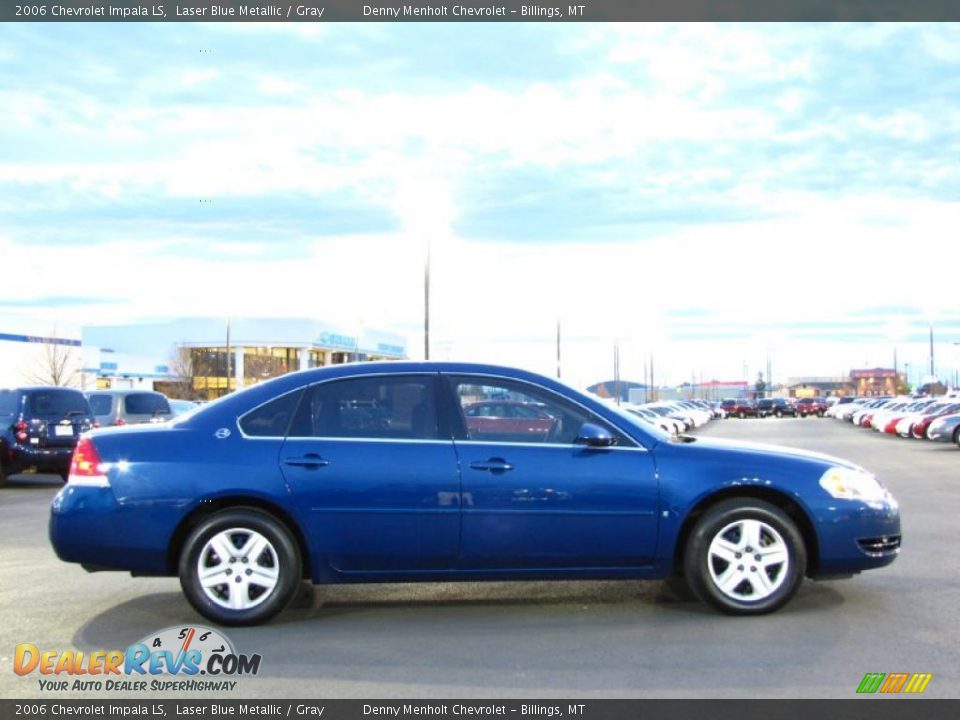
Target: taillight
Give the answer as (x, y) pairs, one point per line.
(21, 428)
(86, 468)
(120, 421)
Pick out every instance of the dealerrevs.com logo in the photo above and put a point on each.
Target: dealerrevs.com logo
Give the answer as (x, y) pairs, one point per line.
(175, 659)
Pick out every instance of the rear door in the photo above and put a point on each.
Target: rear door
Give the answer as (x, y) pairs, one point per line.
(372, 467)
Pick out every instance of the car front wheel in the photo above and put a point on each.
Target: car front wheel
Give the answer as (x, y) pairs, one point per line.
(240, 567)
(745, 557)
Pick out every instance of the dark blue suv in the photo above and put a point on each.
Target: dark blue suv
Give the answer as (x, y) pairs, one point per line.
(39, 428)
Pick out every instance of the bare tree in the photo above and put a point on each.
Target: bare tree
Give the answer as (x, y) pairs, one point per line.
(58, 363)
(187, 365)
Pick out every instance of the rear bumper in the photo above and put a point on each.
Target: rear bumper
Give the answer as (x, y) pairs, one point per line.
(41, 459)
(89, 527)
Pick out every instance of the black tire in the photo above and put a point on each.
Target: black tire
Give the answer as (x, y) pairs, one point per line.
(3, 477)
(779, 413)
(721, 522)
(281, 554)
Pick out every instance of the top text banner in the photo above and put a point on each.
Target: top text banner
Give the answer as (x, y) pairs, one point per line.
(475, 11)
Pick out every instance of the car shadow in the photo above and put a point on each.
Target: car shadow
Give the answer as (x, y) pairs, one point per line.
(29, 481)
(119, 625)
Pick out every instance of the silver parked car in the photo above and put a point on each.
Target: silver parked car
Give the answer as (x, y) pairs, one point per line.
(128, 407)
(945, 429)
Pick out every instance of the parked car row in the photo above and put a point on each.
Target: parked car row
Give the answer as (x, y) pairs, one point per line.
(40, 426)
(774, 407)
(674, 416)
(930, 418)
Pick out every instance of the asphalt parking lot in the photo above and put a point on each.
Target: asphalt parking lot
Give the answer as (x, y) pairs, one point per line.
(542, 640)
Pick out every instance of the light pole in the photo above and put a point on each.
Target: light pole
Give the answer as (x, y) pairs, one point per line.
(558, 348)
(426, 304)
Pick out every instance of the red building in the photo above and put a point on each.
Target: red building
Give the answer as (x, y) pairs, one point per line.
(873, 382)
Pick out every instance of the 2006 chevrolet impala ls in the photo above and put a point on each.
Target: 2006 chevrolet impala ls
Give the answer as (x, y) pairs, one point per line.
(383, 472)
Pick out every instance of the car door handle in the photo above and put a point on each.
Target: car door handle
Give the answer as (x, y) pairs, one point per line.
(494, 465)
(308, 460)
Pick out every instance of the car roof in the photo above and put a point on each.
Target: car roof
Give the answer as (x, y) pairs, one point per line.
(122, 391)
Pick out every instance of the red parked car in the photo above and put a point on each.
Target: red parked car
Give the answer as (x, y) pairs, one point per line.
(509, 420)
(740, 408)
(919, 428)
(811, 406)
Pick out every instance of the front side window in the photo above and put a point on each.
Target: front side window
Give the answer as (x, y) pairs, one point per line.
(523, 413)
(378, 408)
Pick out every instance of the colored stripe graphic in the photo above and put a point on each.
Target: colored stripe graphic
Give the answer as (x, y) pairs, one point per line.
(871, 682)
(918, 682)
(894, 682)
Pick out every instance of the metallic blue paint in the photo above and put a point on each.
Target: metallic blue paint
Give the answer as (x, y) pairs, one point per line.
(375, 510)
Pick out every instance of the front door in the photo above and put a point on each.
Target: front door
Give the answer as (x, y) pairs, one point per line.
(532, 497)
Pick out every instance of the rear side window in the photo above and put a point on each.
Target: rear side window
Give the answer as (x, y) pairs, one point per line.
(57, 403)
(273, 418)
(147, 404)
(101, 404)
(8, 403)
(390, 408)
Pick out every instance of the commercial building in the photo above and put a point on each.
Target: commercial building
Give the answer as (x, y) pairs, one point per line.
(34, 352)
(208, 357)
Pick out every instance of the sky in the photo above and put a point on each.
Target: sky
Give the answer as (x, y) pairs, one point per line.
(716, 197)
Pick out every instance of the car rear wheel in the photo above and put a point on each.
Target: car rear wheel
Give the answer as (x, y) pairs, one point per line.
(240, 567)
(745, 557)
(779, 413)
(741, 415)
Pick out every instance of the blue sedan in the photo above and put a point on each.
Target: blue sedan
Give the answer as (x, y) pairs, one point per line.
(386, 472)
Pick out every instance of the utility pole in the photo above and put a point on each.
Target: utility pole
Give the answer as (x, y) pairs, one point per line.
(653, 386)
(616, 370)
(426, 304)
(228, 357)
(558, 348)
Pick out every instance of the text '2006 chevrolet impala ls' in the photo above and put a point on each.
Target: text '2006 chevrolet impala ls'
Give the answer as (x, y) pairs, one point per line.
(404, 471)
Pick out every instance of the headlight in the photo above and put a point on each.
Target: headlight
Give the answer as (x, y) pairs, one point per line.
(852, 484)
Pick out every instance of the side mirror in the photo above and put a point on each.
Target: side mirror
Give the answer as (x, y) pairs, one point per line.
(593, 435)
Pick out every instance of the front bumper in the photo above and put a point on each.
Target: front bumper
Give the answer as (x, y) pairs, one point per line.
(856, 536)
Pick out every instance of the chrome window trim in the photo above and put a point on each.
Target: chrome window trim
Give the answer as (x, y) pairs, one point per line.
(568, 446)
(433, 373)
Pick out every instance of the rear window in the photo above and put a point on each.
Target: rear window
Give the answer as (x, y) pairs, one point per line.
(57, 403)
(101, 404)
(147, 404)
